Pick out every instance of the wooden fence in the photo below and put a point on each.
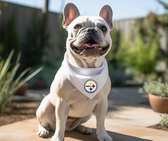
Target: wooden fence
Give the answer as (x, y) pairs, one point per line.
(24, 22)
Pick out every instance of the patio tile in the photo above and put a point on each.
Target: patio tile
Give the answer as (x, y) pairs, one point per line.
(26, 131)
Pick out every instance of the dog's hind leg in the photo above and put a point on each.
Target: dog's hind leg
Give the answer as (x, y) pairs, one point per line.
(43, 132)
(83, 129)
(45, 117)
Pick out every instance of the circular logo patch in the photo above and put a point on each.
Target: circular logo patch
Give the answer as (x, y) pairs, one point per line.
(90, 86)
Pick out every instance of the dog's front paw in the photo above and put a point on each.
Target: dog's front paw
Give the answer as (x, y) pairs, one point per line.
(103, 136)
(53, 139)
(56, 138)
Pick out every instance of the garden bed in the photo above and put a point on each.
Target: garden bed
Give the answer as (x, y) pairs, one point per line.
(159, 127)
(19, 111)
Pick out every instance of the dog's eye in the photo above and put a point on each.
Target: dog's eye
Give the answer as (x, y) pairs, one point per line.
(78, 26)
(103, 28)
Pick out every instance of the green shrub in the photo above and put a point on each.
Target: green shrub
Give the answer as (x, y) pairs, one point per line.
(115, 35)
(117, 74)
(164, 120)
(138, 54)
(9, 86)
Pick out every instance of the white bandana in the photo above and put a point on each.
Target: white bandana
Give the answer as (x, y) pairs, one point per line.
(88, 81)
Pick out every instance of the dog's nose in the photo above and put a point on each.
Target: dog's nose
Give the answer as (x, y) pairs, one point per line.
(91, 30)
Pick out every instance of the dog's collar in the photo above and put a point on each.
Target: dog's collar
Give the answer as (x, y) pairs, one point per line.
(88, 81)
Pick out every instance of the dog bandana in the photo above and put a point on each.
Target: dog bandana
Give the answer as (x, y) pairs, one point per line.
(88, 81)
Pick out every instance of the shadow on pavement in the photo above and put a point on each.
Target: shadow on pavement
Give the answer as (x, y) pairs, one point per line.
(127, 96)
(92, 137)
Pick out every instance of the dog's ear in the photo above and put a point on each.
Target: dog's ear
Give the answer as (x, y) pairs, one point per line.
(70, 13)
(106, 13)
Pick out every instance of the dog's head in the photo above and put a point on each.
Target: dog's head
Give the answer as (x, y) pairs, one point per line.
(88, 37)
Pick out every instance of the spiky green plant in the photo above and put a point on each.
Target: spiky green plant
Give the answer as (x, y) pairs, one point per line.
(9, 86)
(164, 120)
(156, 88)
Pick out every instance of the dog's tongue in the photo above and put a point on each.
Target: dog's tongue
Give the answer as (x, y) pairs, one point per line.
(90, 45)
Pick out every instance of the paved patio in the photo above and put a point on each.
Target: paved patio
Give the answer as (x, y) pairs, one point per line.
(27, 130)
(128, 115)
(129, 106)
(125, 105)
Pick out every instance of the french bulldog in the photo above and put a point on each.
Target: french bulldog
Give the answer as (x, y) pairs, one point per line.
(65, 108)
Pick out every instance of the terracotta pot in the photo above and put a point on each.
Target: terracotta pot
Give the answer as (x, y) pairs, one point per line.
(22, 89)
(40, 84)
(159, 104)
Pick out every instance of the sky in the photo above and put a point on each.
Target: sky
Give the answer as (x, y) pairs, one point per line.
(122, 9)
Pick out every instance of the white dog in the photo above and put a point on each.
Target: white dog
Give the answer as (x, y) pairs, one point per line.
(82, 84)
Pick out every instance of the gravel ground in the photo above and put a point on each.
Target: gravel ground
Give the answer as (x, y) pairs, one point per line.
(19, 111)
(159, 127)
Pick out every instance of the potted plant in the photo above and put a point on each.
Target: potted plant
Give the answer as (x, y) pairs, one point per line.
(158, 95)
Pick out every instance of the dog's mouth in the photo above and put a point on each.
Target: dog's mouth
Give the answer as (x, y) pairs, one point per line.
(90, 45)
